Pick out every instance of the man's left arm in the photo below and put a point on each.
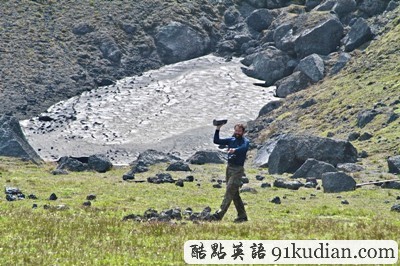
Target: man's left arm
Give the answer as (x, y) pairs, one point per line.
(242, 148)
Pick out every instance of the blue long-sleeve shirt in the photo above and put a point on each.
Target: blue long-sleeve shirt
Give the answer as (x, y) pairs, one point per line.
(241, 145)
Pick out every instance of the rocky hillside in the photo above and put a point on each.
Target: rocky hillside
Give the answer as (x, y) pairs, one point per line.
(53, 50)
(361, 103)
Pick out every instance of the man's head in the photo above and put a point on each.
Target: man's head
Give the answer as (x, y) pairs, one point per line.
(239, 130)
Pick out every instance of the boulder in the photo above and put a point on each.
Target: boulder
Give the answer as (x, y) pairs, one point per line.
(249, 190)
(313, 66)
(270, 65)
(179, 166)
(13, 142)
(337, 182)
(313, 168)
(109, 48)
(349, 167)
(269, 107)
(270, 4)
(291, 151)
(391, 185)
(152, 157)
(276, 200)
(177, 42)
(365, 136)
(366, 116)
(340, 63)
(353, 136)
(74, 164)
(372, 7)
(395, 208)
(82, 28)
(293, 185)
(207, 156)
(295, 82)
(340, 7)
(260, 19)
(394, 164)
(231, 16)
(359, 34)
(322, 39)
(263, 153)
(310, 4)
(161, 178)
(100, 163)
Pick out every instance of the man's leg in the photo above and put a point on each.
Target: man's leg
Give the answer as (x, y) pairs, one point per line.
(229, 193)
(237, 200)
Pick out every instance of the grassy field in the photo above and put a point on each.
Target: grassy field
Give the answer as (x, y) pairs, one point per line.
(97, 235)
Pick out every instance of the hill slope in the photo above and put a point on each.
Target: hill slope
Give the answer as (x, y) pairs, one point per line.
(371, 81)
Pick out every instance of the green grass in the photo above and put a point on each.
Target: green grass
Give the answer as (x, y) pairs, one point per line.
(97, 235)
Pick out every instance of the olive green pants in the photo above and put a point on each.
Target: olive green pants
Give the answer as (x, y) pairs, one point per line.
(233, 182)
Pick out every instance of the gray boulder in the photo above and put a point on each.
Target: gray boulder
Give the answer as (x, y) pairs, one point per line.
(292, 151)
(270, 65)
(263, 153)
(207, 156)
(391, 185)
(152, 157)
(13, 142)
(340, 63)
(372, 7)
(270, 4)
(366, 116)
(359, 34)
(349, 167)
(269, 107)
(365, 136)
(394, 164)
(260, 19)
(293, 185)
(231, 16)
(395, 208)
(179, 166)
(100, 163)
(337, 182)
(313, 168)
(109, 48)
(313, 66)
(295, 82)
(310, 4)
(74, 164)
(178, 42)
(82, 28)
(340, 7)
(323, 38)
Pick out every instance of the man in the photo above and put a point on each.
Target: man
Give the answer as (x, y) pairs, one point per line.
(237, 150)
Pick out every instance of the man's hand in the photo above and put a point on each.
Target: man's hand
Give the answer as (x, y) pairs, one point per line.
(219, 127)
(230, 151)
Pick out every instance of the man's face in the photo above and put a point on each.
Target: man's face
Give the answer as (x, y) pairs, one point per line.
(238, 132)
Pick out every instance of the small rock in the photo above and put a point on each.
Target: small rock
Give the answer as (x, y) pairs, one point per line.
(245, 180)
(10, 197)
(265, 185)
(46, 206)
(260, 177)
(179, 183)
(339, 197)
(350, 167)
(87, 203)
(128, 177)
(303, 198)
(53, 196)
(386, 201)
(34, 206)
(293, 185)
(32, 196)
(396, 208)
(398, 198)
(217, 186)
(189, 178)
(363, 154)
(276, 200)
(365, 136)
(179, 166)
(353, 136)
(91, 197)
(345, 202)
(313, 195)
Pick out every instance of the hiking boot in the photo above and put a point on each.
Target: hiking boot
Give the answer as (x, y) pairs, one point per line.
(215, 217)
(240, 220)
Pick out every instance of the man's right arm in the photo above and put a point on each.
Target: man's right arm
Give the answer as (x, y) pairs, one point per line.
(219, 141)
